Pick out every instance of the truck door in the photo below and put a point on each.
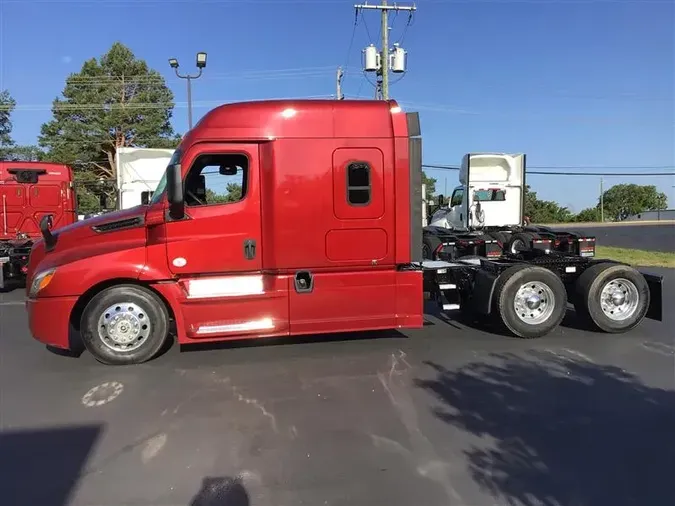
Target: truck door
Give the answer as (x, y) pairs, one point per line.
(216, 250)
(457, 208)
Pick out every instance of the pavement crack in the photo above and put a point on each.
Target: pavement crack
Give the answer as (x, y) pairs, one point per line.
(258, 405)
(427, 462)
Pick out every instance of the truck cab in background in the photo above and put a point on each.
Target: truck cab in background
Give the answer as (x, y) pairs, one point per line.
(485, 215)
(28, 192)
(491, 193)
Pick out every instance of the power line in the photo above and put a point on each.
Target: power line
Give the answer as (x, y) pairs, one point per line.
(224, 75)
(578, 167)
(560, 173)
(326, 2)
(65, 106)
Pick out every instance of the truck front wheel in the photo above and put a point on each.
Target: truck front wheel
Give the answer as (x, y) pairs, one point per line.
(530, 301)
(613, 298)
(124, 324)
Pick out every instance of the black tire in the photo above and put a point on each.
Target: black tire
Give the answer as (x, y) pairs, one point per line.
(429, 245)
(529, 322)
(520, 240)
(135, 307)
(588, 297)
(502, 237)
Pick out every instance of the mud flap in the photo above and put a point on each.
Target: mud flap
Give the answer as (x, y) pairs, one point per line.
(3, 261)
(483, 289)
(655, 283)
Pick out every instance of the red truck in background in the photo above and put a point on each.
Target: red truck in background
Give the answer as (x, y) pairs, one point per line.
(28, 192)
(321, 234)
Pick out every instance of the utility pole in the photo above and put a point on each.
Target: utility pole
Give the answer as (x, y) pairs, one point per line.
(602, 202)
(384, 61)
(338, 83)
(385, 51)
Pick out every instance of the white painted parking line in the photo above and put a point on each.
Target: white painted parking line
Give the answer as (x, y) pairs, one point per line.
(13, 303)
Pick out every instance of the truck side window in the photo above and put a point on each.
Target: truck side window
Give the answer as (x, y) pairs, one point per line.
(217, 179)
(456, 197)
(358, 183)
(146, 197)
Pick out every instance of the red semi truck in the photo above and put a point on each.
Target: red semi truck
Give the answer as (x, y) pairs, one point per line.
(29, 191)
(322, 235)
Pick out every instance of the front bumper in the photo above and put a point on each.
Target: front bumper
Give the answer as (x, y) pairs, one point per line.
(49, 320)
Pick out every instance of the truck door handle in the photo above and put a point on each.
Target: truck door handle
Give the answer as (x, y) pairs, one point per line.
(249, 249)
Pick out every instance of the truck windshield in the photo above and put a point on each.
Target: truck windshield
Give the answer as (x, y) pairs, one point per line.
(161, 186)
(489, 195)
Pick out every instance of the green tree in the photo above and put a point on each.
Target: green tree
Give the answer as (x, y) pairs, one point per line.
(624, 200)
(430, 183)
(590, 214)
(233, 194)
(115, 101)
(7, 105)
(544, 211)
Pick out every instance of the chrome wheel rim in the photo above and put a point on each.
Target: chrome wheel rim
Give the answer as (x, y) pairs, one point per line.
(619, 299)
(124, 327)
(534, 302)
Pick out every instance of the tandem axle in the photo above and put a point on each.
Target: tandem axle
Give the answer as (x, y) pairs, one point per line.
(528, 296)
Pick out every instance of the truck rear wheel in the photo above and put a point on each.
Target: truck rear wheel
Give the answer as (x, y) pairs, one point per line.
(530, 301)
(430, 244)
(518, 242)
(124, 324)
(613, 298)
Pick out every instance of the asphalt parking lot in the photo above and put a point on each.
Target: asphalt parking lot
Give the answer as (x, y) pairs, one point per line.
(446, 415)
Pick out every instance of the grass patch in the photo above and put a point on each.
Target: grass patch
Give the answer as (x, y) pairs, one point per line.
(636, 257)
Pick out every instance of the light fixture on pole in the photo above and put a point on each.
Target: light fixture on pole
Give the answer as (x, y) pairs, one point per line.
(201, 64)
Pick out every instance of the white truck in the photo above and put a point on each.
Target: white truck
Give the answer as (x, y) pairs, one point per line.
(138, 173)
(486, 215)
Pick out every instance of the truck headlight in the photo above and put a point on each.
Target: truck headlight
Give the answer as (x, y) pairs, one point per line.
(40, 281)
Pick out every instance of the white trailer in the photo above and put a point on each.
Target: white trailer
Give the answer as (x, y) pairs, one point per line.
(138, 173)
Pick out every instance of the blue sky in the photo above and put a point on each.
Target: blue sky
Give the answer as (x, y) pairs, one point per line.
(569, 82)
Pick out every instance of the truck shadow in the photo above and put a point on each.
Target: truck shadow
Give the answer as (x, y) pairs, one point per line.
(559, 431)
(570, 321)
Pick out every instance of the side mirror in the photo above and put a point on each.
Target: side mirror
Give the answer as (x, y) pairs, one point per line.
(441, 200)
(174, 192)
(103, 201)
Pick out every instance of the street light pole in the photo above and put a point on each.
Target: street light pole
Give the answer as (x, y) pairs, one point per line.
(201, 64)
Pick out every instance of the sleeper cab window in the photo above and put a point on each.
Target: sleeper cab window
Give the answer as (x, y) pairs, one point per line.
(358, 183)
